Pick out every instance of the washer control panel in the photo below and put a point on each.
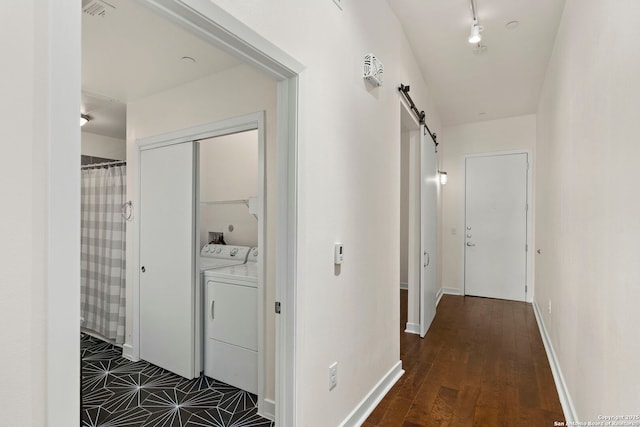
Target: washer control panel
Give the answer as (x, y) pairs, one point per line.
(212, 250)
(253, 255)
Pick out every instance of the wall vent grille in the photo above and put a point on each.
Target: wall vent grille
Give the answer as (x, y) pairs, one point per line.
(97, 7)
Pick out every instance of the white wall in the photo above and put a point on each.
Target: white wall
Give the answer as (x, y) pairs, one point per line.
(103, 146)
(229, 171)
(230, 93)
(348, 190)
(515, 133)
(23, 288)
(587, 209)
(348, 133)
(39, 184)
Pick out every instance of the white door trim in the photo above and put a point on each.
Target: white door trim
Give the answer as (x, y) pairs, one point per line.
(56, 329)
(214, 24)
(413, 321)
(530, 284)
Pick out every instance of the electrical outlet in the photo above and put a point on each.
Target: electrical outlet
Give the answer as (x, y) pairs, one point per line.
(549, 306)
(333, 376)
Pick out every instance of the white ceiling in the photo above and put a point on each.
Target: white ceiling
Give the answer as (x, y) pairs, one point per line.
(129, 53)
(504, 81)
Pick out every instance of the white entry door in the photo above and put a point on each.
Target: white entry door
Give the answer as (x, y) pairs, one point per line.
(428, 230)
(167, 270)
(496, 226)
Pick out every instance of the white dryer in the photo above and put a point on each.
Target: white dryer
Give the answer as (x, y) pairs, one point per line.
(231, 325)
(213, 256)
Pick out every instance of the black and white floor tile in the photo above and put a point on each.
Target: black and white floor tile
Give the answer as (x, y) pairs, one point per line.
(119, 393)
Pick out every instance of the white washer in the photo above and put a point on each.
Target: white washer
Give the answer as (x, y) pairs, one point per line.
(213, 256)
(231, 325)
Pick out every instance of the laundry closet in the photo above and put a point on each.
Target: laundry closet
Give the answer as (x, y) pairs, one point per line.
(229, 257)
(191, 184)
(184, 197)
(201, 239)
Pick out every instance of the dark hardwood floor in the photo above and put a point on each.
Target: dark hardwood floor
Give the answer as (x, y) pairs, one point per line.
(482, 363)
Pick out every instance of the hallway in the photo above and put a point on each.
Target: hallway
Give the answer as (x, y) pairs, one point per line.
(482, 363)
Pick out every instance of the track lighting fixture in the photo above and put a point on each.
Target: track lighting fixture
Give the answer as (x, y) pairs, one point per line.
(474, 36)
(443, 177)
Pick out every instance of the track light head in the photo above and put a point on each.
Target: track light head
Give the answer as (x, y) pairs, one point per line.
(474, 36)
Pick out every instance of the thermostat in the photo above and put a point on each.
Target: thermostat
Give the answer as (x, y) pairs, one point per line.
(338, 255)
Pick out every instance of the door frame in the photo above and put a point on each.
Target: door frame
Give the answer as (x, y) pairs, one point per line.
(215, 25)
(413, 252)
(220, 28)
(246, 122)
(530, 202)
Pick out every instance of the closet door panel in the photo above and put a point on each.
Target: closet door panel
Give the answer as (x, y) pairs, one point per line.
(167, 278)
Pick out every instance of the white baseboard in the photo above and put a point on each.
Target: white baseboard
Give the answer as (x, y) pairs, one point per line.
(412, 328)
(404, 286)
(558, 378)
(128, 353)
(439, 296)
(268, 409)
(371, 400)
(99, 336)
(448, 291)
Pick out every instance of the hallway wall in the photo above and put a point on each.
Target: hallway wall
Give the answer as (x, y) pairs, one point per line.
(348, 191)
(587, 206)
(39, 227)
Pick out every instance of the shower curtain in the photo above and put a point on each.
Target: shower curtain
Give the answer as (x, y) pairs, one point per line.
(103, 251)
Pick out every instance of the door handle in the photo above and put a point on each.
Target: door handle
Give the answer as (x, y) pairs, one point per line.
(143, 269)
(213, 304)
(470, 244)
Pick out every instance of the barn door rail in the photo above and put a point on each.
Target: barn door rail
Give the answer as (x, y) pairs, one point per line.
(404, 90)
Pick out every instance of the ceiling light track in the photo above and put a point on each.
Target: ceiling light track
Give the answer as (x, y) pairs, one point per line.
(421, 116)
(474, 10)
(474, 35)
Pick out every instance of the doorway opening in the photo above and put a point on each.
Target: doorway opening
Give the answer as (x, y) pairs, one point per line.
(218, 28)
(410, 219)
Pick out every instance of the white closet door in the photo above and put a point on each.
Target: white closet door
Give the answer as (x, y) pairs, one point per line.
(428, 230)
(167, 271)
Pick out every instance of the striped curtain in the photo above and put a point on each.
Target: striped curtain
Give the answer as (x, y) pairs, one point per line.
(103, 293)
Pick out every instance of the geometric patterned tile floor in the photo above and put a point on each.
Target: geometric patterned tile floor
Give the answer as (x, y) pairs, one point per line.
(119, 393)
